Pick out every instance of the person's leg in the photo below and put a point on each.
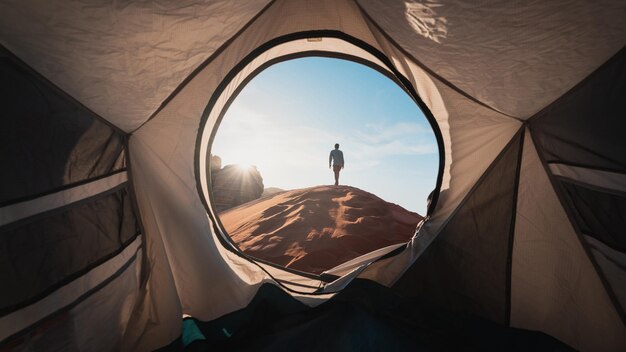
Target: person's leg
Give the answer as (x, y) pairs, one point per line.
(336, 169)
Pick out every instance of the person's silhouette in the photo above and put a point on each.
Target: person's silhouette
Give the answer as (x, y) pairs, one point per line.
(336, 157)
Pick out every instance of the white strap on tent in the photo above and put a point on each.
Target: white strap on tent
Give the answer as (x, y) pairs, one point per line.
(18, 211)
(292, 281)
(347, 267)
(613, 265)
(604, 179)
(343, 281)
(615, 256)
(66, 295)
(346, 272)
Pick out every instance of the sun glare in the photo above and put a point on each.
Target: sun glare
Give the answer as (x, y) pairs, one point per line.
(245, 167)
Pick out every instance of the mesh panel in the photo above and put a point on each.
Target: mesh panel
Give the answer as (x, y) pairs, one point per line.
(586, 126)
(598, 214)
(49, 140)
(40, 254)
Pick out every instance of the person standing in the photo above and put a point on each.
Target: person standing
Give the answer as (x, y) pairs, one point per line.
(336, 157)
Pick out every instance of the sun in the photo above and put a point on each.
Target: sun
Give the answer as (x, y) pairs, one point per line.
(245, 167)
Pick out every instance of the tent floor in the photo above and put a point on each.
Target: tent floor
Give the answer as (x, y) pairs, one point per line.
(365, 316)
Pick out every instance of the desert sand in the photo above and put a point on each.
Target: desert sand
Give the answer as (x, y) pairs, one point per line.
(315, 229)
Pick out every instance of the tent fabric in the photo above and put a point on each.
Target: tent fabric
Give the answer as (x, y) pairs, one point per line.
(486, 131)
(585, 162)
(20, 323)
(467, 268)
(44, 253)
(607, 180)
(67, 219)
(74, 317)
(597, 217)
(44, 155)
(585, 128)
(512, 56)
(109, 111)
(87, 46)
(26, 209)
(474, 136)
(598, 214)
(612, 263)
(551, 273)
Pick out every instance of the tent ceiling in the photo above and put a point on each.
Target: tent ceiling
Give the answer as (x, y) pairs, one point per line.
(123, 60)
(120, 59)
(515, 57)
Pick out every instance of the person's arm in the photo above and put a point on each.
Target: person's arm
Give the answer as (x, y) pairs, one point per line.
(330, 158)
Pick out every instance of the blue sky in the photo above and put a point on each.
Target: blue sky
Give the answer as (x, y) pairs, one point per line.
(287, 119)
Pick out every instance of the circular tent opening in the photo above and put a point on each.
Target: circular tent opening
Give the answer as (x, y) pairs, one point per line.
(212, 172)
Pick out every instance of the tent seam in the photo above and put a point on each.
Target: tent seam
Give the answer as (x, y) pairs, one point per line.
(578, 85)
(557, 190)
(509, 263)
(143, 280)
(58, 89)
(204, 64)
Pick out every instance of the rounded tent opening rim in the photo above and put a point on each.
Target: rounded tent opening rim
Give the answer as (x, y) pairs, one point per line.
(323, 43)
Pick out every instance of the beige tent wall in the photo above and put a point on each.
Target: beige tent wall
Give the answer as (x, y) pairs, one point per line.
(116, 284)
(554, 286)
(120, 59)
(514, 56)
(612, 264)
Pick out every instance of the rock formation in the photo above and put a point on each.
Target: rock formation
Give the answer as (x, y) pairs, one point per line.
(233, 185)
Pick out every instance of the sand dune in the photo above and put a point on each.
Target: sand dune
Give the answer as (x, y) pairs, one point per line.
(315, 229)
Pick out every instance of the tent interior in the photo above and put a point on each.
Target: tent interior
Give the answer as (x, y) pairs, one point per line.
(107, 229)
